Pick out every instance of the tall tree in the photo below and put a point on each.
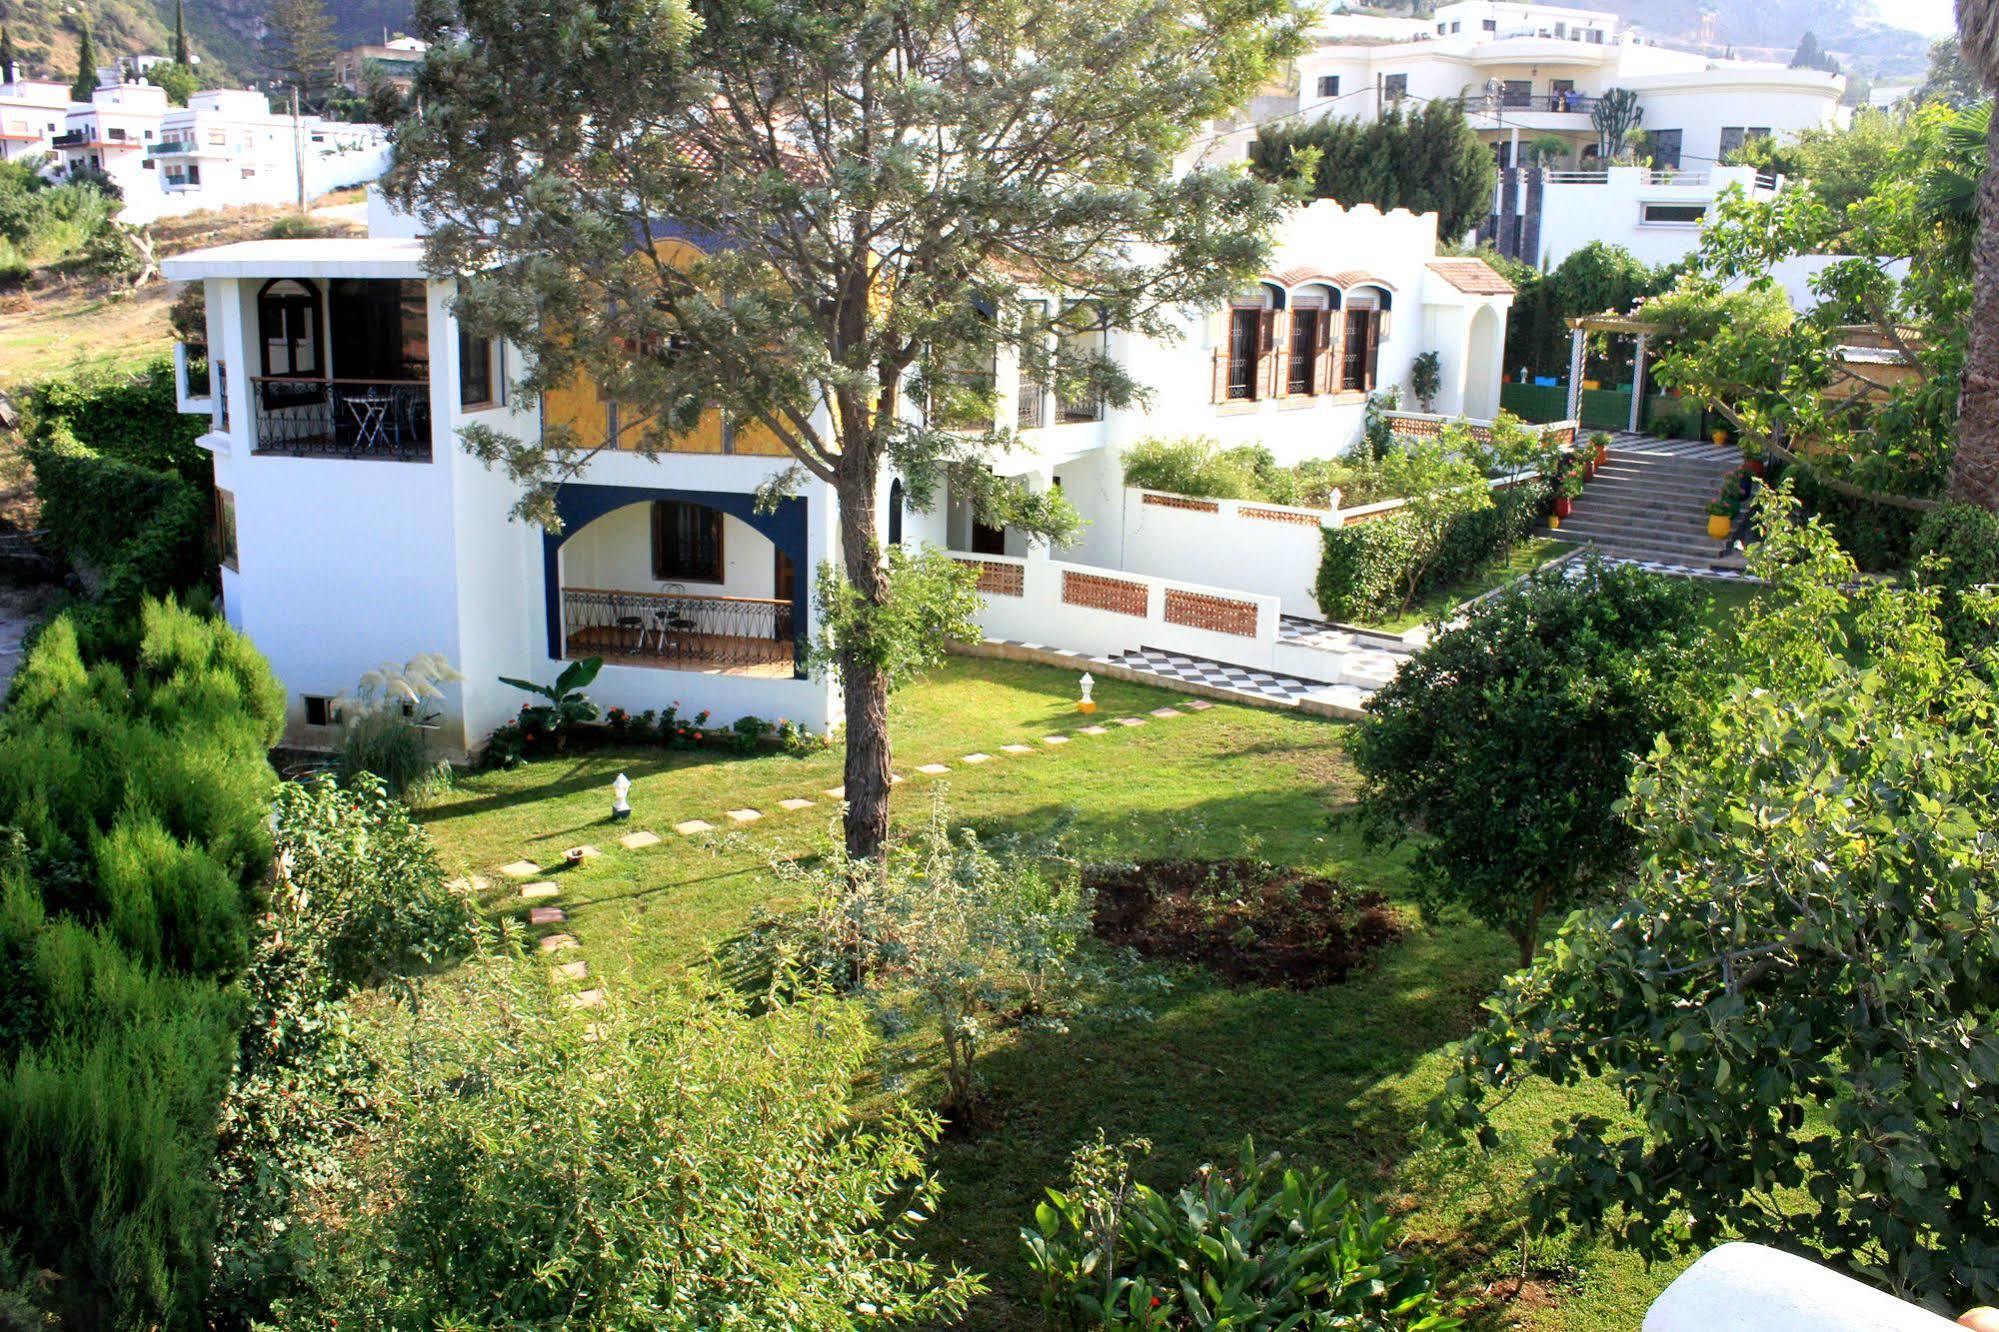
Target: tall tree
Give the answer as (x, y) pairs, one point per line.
(299, 47)
(7, 57)
(1974, 473)
(877, 185)
(86, 64)
(180, 35)
(1948, 78)
(1430, 161)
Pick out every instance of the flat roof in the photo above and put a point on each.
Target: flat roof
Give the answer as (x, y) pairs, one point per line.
(329, 257)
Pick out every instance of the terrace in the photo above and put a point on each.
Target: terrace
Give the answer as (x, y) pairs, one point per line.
(342, 369)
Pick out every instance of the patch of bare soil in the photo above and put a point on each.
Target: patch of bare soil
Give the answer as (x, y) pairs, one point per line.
(1251, 923)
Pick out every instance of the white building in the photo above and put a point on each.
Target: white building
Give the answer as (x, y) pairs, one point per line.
(355, 530)
(1531, 76)
(32, 113)
(225, 149)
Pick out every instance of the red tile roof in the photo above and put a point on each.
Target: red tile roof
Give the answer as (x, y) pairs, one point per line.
(1473, 277)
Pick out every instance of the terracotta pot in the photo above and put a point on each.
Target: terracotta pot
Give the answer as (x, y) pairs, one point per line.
(1753, 466)
(1564, 506)
(1718, 436)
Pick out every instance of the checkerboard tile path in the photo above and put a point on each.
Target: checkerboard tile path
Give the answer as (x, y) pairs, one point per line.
(1178, 666)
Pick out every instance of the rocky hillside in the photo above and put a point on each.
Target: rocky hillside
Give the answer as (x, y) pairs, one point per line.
(224, 33)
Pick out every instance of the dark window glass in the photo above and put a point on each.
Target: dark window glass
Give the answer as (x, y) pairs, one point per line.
(1243, 326)
(895, 512)
(379, 329)
(1304, 343)
(475, 370)
(1357, 353)
(1395, 86)
(1664, 148)
(686, 541)
(1676, 214)
(1329, 85)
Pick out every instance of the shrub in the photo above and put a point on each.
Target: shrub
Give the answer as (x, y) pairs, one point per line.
(1507, 741)
(723, 1184)
(1260, 1247)
(143, 531)
(1197, 465)
(1957, 550)
(131, 418)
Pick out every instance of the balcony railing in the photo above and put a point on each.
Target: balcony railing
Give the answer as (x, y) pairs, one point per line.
(1032, 412)
(70, 139)
(166, 147)
(678, 631)
(1086, 408)
(342, 418)
(1474, 103)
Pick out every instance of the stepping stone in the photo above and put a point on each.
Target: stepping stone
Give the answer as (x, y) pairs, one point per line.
(546, 915)
(1094, 730)
(555, 943)
(1016, 749)
(836, 793)
(692, 826)
(933, 769)
(581, 853)
(584, 999)
(1198, 705)
(638, 841)
(521, 869)
(1168, 712)
(794, 804)
(471, 883)
(978, 758)
(569, 971)
(745, 815)
(1131, 721)
(1054, 739)
(535, 892)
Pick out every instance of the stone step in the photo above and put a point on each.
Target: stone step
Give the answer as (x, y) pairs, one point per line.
(1646, 486)
(1639, 508)
(1673, 552)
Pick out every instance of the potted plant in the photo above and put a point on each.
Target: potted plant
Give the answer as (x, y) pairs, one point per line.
(1601, 441)
(1567, 491)
(1720, 519)
(1719, 434)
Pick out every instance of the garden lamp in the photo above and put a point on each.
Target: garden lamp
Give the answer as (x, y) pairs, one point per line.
(1087, 704)
(621, 808)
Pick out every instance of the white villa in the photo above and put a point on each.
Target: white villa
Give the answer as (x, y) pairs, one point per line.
(1530, 74)
(32, 114)
(355, 530)
(226, 148)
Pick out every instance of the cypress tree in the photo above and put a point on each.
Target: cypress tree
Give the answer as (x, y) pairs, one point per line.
(6, 55)
(86, 64)
(180, 35)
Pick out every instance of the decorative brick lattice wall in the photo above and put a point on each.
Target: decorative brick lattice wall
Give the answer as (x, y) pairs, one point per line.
(999, 580)
(1221, 615)
(1108, 594)
(1182, 502)
(1279, 516)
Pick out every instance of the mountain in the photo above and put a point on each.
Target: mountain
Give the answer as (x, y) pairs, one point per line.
(224, 33)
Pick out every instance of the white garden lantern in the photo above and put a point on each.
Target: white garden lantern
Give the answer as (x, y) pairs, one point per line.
(621, 808)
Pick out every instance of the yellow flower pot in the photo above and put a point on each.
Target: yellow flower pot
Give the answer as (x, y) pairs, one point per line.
(1554, 523)
(1719, 525)
(1718, 436)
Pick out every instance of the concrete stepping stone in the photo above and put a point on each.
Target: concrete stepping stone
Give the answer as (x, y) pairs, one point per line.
(933, 769)
(1016, 749)
(580, 853)
(1131, 721)
(794, 804)
(556, 943)
(535, 892)
(584, 999)
(978, 758)
(546, 915)
(1094, 730)
(639, 841)
(1168, 712)
(471, 883)
(1198, 705)
(521, 869)
(692, 826)
(569, 971)
(745, 815)
(1054, 739)
(835, 793)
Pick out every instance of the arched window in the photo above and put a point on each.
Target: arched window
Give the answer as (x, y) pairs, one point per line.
(1252, 342)
(895, 512)
(1360, 348)
(288, 327)
(1308, 354)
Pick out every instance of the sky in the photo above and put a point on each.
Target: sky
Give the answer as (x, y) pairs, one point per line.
(1932, 18)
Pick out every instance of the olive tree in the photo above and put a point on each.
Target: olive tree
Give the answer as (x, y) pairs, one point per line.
(874, 185)
(1797, 998)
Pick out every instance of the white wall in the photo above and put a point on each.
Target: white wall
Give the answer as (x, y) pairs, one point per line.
(1609, 207)
(615, 552)
(1225, 548)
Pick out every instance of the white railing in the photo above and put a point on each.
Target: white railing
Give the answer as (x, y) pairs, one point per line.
(1101, 612)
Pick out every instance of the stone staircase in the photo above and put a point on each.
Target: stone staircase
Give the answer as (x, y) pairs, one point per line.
(1649, 502)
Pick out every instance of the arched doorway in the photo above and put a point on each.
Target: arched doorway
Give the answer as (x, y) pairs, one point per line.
(1482, 352)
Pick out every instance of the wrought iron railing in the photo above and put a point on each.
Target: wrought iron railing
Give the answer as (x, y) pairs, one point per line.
(342, 418)
(166, 147)
(1488, 103)
(70, 139)
(678, 630)
(1032, 411)
(1087, 407)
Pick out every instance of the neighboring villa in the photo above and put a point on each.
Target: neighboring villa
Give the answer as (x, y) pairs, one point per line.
(355, 530)
(1531, 75)
(32, 114)
(393, 60)
(226, 148)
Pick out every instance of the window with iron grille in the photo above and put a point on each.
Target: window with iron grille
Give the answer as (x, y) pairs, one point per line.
(686, 542)
(1329, 85)
(1243, 329)
(1304, 346)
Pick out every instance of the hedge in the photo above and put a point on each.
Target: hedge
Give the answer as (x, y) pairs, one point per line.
(1364, 567)
(133, 418)
(143, 530)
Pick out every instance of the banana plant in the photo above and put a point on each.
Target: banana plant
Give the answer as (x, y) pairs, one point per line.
(567, 706)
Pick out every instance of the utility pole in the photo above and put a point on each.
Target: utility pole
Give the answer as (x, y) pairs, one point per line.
(298, 151)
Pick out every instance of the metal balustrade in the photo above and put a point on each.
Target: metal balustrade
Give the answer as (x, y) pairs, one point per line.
(342, 418)
(1031, 412)
(679, 631)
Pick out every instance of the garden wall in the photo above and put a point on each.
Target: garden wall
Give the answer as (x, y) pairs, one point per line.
(1268, 549)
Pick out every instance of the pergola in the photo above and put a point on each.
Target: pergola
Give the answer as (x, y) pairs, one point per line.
(1607, 322)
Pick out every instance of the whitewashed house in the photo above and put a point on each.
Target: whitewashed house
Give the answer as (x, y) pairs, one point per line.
(355, 530)
(32, 113)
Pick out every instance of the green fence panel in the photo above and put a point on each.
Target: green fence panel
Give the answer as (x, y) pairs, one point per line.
(1535, 403)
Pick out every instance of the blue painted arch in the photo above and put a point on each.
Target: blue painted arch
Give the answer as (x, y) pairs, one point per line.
(579, 505)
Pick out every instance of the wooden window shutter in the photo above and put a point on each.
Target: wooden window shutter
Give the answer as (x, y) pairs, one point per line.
(1218, 388)
(1374, 329)
(1326, 357)
(1267, 367)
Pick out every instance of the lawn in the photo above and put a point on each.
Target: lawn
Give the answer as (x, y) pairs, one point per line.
(1524, 559)
(1337, 1076)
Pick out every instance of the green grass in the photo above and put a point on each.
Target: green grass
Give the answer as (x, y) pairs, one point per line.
(1338, 1076)
(1524, 559)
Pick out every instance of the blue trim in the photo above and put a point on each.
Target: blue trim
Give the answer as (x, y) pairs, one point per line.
(580, 505)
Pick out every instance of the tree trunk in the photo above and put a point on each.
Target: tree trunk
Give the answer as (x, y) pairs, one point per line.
(1974, 472)
(864, 683)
